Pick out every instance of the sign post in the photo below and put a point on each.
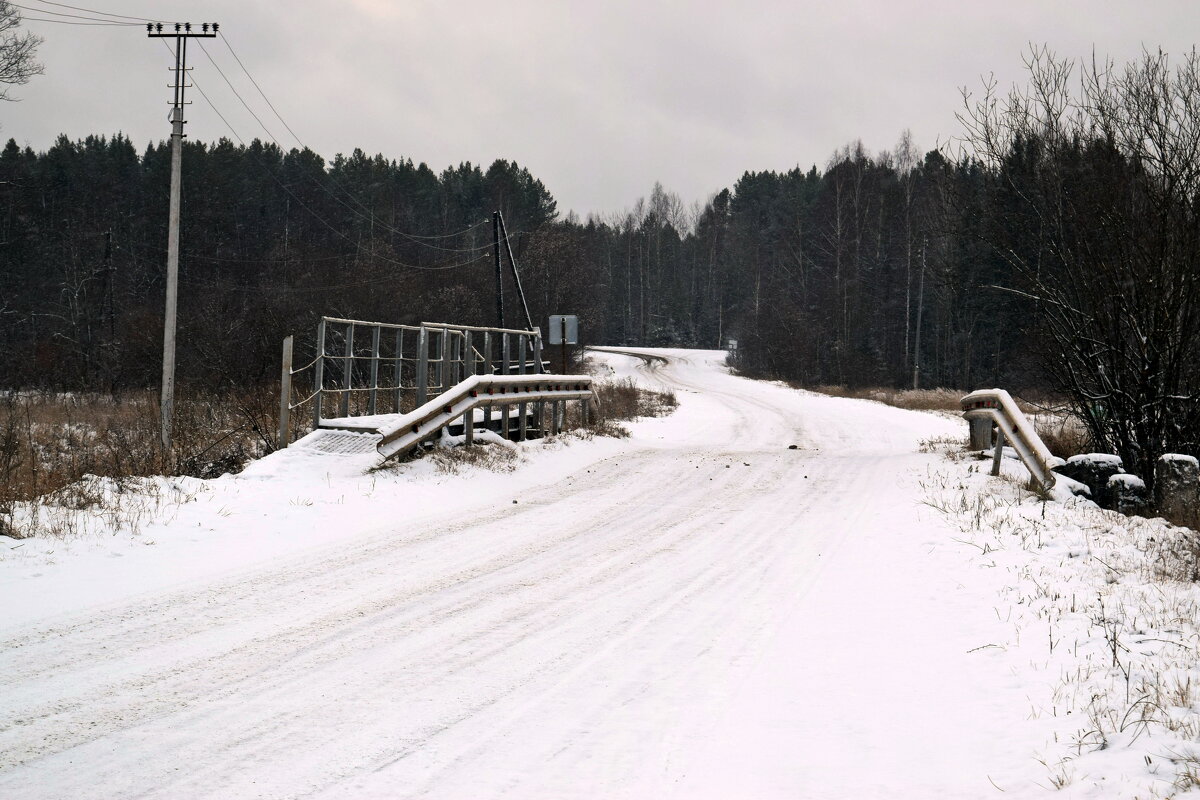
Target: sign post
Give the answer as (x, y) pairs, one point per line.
(564, 330)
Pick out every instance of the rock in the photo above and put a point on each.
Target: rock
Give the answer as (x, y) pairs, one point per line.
(1093, 470)
(1177, 487)
(1128, 494)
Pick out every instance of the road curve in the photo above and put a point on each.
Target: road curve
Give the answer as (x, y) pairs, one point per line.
(585, 644)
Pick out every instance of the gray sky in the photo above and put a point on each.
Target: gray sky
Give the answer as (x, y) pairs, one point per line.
(598, 99)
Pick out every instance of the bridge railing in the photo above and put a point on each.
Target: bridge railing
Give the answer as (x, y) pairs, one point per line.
(368, 368)
(987, 407)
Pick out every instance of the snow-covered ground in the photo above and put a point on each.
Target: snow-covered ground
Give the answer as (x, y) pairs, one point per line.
(768, 593)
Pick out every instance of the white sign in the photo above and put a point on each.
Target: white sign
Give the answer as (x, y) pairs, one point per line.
(564, 329)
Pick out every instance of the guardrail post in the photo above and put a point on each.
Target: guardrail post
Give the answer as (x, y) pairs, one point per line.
(998, 453)
(319, 374)
(375, 331)
(348, 371)
(285, 395)
(422, 380)
(468, 356)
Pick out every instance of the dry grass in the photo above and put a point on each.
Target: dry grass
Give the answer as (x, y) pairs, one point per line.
(50, 442)
(489, 455)
(912, 399)
(623, 400)
(1063, 434)
(1104, 607)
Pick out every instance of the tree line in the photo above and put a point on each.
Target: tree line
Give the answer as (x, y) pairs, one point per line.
(1057, 249)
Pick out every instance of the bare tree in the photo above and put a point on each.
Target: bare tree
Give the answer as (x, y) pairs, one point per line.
(17, 50)
(1096, 208)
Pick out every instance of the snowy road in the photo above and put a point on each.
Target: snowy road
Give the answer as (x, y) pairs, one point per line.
(704, 613)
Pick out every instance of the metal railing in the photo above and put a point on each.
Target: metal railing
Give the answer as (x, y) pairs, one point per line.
(368, 368)
(400, 434)
(987, 407)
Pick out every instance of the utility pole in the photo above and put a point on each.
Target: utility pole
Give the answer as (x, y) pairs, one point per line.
(183, 31)
(920, 311)
(499, 269)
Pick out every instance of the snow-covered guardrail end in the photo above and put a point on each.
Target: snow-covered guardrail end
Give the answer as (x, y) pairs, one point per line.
(985, 407)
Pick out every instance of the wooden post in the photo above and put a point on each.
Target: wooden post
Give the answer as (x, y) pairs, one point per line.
(422, 377)
(319, 374)
(285, 395)
(348, 370)
(998, 453)
(375, 332)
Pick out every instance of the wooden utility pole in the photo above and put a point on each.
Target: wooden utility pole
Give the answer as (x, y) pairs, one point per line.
(499, 269)
(183, 31)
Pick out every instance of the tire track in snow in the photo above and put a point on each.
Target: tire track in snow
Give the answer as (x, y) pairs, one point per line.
(417, 657)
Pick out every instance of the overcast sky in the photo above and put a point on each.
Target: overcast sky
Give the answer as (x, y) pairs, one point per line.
(599, 99)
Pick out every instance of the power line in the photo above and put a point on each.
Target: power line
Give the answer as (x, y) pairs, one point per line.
(369, 214)
(102, 23)
(322, 220)
(90, 11)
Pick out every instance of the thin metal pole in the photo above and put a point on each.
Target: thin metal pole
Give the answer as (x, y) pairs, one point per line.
(487, 370)
(522, 408)
(499, 268)
(348, 370)
(563, 340)
(445, 363)
(285, 395)
(539, 409)
(468, 371)
(319, 374)
(375, 331)
(504, 409)
(422, 377)
(398, 369)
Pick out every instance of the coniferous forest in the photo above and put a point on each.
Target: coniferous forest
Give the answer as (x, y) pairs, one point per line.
(1055, 249)
(833, 275)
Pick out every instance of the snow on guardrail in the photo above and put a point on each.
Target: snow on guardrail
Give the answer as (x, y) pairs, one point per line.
(402, 432)
(985, 406)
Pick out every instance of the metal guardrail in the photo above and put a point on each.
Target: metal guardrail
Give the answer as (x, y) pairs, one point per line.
(399, 435)
(987, 407)
(381, 368)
